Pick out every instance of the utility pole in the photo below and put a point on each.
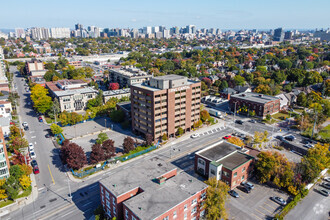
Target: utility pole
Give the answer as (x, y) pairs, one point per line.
(314, 124)
(70, 195)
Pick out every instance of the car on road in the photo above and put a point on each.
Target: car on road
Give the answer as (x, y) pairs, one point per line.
(36, 169)
(34, 163)
(226, 137)
(244, 189)
(327, 179)
(47, 135)
(248, 184)
(31, 146)
(194, 135)
(40, 119)
(33, 154)
(308, 146)
(253, 121)
(281, 138)
(306, 141)
(324, 192)
(233, 193)
(12, 123)
(25, 124)
(26, 128)
(290, 137)
(239, 122)
(278, 200)
(325, 185)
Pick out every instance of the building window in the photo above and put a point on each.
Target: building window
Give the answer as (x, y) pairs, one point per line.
(174, 214)
(108, 204)
(225, 173)
(185, 216)
(194, 202)
(194, 210)
(109, 212)
(243, 177)
(133, 218)
(203, 195)
(193, 218)
(243, 169)
(235, 174)
(201, 161)
(202, 213)
(166, 218)
(212, 172)
(185, 207)
(126, 213)
(107, 195)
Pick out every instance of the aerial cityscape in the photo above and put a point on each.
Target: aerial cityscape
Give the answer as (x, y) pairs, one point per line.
(176, 110)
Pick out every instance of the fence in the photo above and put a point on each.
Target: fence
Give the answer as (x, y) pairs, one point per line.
(82, 174)
(124, 158)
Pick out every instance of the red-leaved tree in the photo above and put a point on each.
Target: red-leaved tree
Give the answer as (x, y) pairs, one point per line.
(113, 86)
(73, 155)
(149, 139)
(109, 148)
(207, 81)
(128, 144)
(97, 154)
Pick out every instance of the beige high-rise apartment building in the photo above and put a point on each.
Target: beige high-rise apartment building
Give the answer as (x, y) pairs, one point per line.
(163, 104)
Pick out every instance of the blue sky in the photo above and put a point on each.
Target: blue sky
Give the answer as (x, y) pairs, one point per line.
(224, 14)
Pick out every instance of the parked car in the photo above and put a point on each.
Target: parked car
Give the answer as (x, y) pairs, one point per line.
(327, 179)
(279, 137)
(40, 119)
(226, 137)
(253, 121)
(278, 200)
(12, 123)
(233, 193)
(25, 124)
(244, 189)
(34, 163)
(36, 169)
(47, 135)
(31, 146)
(249, 185)
(195, 136)
(290, 137)
(26, 128)
(324, 192)
(239, 122)
(308, 145)
(325, 185)
(33, 155)
(306, 141)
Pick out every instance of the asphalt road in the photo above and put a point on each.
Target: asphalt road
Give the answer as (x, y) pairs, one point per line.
(314, 206)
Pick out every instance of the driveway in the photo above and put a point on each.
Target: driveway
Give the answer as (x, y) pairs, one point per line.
(256, 205)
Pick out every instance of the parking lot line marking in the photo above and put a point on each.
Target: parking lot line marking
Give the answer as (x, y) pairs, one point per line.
(270, 206)
(260, 212)
(256, 216)
(266, 209)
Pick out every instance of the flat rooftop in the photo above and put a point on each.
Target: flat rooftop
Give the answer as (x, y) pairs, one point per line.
(234, 160)
(150, 88)
(169, 77)
(116, 92)
(255, 97)
(155, 199)
(218, 151)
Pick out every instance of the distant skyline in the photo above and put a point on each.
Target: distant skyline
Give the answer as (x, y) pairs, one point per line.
(233, 14)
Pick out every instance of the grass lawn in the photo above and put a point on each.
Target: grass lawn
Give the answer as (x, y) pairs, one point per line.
(325, 132)
(280, 116)
(5, 203)
(49, 120)
(298, 110)
(25, 193)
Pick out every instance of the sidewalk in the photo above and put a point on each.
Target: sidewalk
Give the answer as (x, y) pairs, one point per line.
(169, 143)
(21, 202)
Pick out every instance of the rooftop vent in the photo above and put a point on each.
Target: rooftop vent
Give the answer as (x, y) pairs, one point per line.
(260, 95)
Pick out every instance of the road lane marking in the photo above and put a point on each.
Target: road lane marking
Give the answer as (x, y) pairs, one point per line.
(33, 136)
(88, 204)
(51, 174)
(271, 206)
(266, 209)
(257, 216)
(260, 212)
(68, 213)
(41, 188)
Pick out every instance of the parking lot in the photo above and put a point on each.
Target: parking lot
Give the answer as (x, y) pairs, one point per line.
(255, 205)
(85, 134)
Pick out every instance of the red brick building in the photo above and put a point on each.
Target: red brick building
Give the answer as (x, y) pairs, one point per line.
(261, 104)
(153, 190)
(165, 103)
(225, 161)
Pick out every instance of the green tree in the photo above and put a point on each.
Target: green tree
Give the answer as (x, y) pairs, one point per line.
(217, 195)
(204, 115)
(101, 138)
(180, 131)
(302, 99)
(56, 129)
(285, 64)
(41, 101)
(239, 80)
